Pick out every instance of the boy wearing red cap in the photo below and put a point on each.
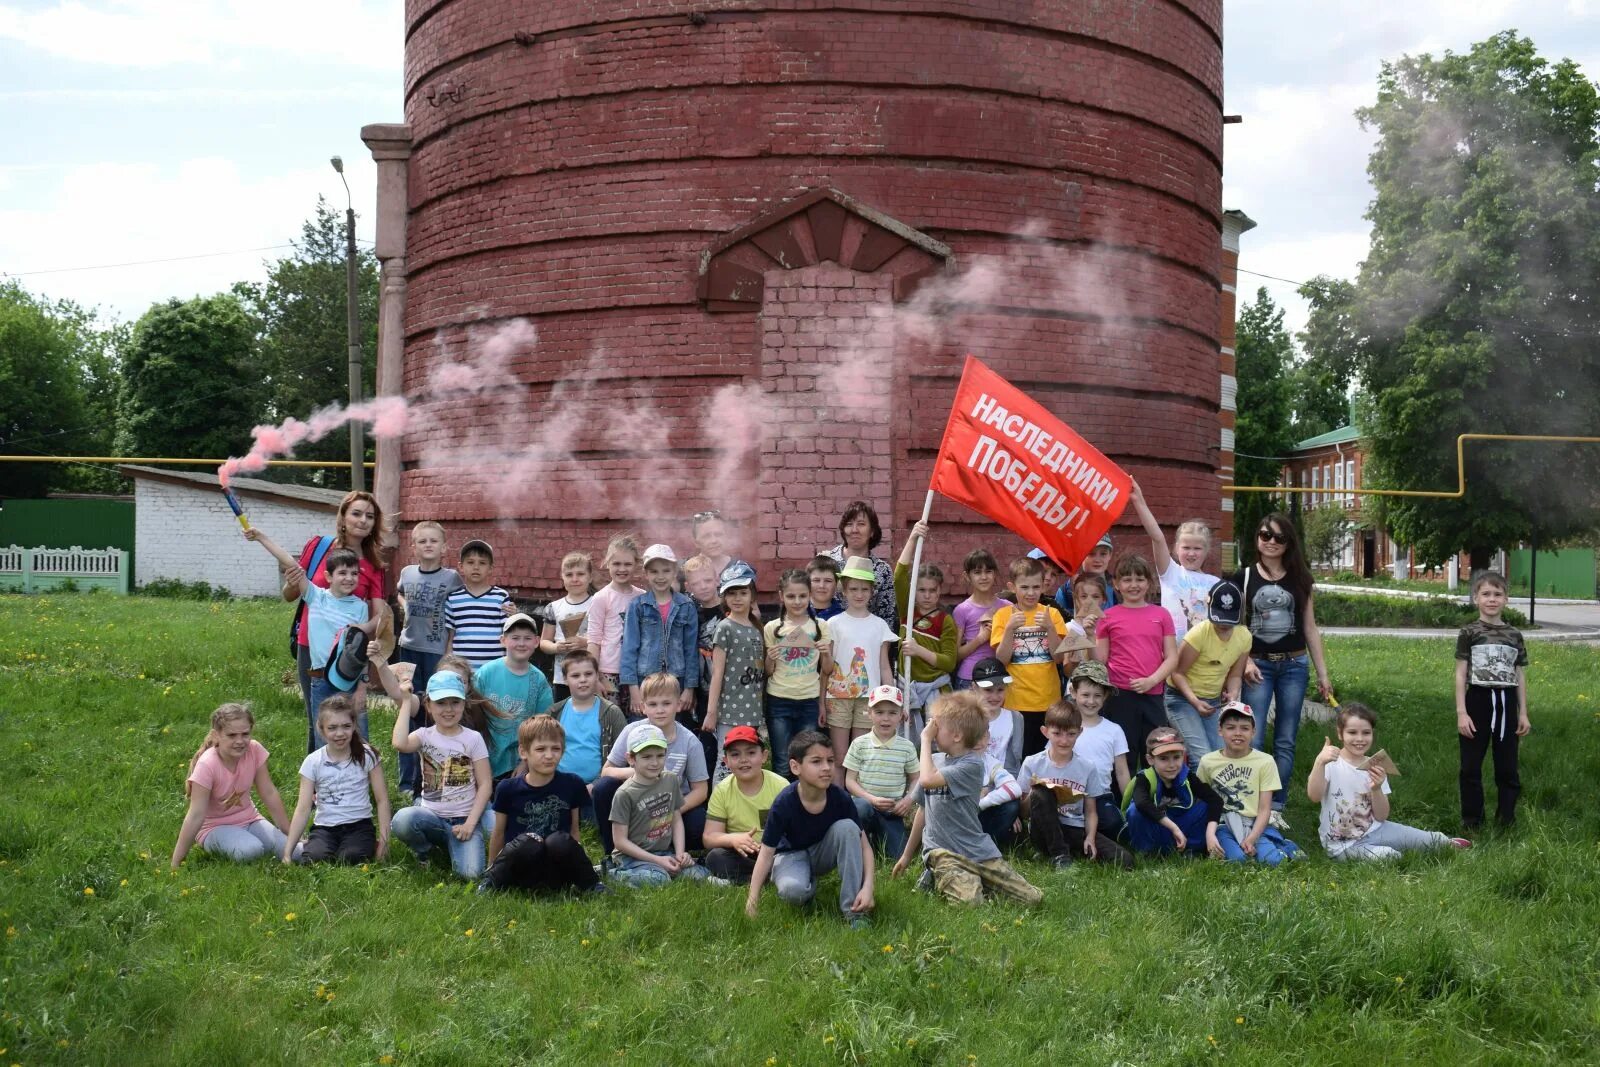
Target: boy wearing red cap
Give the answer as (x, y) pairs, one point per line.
(738, 807)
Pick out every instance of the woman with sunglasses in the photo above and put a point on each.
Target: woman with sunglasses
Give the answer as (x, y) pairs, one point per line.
(1283, 630)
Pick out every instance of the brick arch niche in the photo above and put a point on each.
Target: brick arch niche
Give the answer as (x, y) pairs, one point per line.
(822, 273)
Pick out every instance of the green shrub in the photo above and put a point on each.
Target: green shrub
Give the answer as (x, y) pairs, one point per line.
(1432, 613)
(172, 589)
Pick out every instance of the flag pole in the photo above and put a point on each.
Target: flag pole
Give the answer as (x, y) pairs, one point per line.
(911, 607)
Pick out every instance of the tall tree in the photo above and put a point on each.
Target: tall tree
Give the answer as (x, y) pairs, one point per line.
(190, 383)
(1331, 349)
(41, 390)
(1478, 299)
(1263, 432)
(302, 344)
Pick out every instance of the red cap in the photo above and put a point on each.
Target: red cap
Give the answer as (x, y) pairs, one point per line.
(742, 733)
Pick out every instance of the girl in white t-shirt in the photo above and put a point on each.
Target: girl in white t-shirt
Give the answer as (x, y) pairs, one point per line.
(1354, 795)
(221, 817)
(1184, 582)
(342, 779)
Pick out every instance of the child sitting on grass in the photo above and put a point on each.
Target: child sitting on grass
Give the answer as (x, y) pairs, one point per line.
(738, 807)
(534, 845)
(880, 771)
(455, 774)
(1166, 807)
(343, 779)
(221, 818)
(686, 762)
(1059, 807)
(965, 863)
(645, 823)
(1353, 789)
(1245, 778)
(811, 830)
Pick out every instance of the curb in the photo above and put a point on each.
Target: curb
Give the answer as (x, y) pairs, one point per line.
(1548, 636)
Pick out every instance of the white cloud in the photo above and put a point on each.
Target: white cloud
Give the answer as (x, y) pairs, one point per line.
(159, 33)
(112, 213)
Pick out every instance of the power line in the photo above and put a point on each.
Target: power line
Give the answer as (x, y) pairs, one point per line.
(148, 262)
(1276, 278)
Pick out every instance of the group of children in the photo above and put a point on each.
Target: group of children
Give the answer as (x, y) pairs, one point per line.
(1079, 724)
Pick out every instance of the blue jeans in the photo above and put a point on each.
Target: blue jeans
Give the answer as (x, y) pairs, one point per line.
(642, 874)
(1109, 808)
(426, 663)
(881, 825)
(423, 830)
(785, 720)
(1282, 682)
(1272, 848)
(998, 821)
(1200, 733)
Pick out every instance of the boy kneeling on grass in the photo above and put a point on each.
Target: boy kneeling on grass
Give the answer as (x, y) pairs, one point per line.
(964, 862)
(811, 830)
(534, 845)
(1167, 808)
(646, 824)
(1063, 821)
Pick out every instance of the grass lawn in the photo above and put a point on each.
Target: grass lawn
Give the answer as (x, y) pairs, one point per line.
(1491, 956)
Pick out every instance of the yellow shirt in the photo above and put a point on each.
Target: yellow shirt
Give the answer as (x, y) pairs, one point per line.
(1217, 657)
(1035, 682)
(740, 813)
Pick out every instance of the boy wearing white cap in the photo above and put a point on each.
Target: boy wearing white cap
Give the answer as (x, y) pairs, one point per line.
(515, 687)
(880, 770)
(646, 826)
(661, 631)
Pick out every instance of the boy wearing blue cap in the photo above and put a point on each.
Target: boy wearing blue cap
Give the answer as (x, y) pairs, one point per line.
(448, 813)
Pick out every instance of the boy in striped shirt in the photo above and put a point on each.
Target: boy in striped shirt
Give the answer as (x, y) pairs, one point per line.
(475, 612)
(880, 770)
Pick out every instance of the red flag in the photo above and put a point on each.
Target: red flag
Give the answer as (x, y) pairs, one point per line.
(1007, 458)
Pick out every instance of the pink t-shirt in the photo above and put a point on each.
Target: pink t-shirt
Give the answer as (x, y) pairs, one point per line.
(968, 614)
(230, 790)
(370, 586)
(1137, 643)
(607, 609)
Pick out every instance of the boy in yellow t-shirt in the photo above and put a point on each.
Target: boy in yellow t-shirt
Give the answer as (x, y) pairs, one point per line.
(1211, 659)
(738, 808)
(1025, 638)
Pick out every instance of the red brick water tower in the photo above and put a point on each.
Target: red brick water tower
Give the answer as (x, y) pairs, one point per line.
(685, 195)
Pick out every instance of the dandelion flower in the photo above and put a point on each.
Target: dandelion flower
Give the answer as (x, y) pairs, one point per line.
(471, 932)
(386, 1059)
(289, 916)
(888, 948)
(1238, 1020)
(88, 890)
(124, 883)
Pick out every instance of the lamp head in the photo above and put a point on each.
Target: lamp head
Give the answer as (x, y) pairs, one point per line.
(338, 164)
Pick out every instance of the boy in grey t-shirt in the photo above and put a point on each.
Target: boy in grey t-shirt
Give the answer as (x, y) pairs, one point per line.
(423, 589)
(965, 864)
(645, 823)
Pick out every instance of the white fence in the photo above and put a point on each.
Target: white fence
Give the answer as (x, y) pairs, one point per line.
(37, 570)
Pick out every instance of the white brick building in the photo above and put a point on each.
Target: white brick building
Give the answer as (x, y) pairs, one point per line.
(184, 530)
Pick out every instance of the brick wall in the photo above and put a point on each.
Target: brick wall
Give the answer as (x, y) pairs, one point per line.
(190, 535)
(574, 161)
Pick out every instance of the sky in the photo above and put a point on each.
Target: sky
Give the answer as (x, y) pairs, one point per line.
(140, 130)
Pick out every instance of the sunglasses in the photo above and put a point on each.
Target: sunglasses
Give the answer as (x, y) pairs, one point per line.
(706, 516)
(1275, 538)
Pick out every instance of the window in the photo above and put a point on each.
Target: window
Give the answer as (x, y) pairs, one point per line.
(1316, 483)
(1350, 479)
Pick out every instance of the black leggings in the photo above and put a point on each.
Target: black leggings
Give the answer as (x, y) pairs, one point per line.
(351, 842)
(542, 865)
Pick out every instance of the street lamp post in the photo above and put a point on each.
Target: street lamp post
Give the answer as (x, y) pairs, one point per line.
(352, 326)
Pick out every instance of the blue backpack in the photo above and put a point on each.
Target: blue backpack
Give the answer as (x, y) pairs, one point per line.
(311, 565)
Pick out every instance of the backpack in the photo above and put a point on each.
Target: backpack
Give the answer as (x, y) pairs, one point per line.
(1183, 791)
(315, 561)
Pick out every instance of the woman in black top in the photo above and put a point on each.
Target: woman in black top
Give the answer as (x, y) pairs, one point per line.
(1283, 629)
(860, 533)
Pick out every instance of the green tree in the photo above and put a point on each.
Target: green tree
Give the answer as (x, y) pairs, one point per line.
(1263, 430)
(1331, 349)
(304, 354)
(1477, 303)
(190, 382)
(41, 390)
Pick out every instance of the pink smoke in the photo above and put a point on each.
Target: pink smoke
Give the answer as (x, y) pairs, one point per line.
(387, 415)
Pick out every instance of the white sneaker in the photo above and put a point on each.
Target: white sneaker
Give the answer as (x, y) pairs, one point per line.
(1277, 821)
(714, 880)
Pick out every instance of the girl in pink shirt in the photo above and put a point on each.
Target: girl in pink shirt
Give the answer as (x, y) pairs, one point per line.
(1136, 641)
(607, 610)
(221, 817)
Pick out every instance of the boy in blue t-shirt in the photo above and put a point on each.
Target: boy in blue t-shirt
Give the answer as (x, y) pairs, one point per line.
(517, 689)
(534, 845)
(812, 829)
(591, 722)
(328, 612)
